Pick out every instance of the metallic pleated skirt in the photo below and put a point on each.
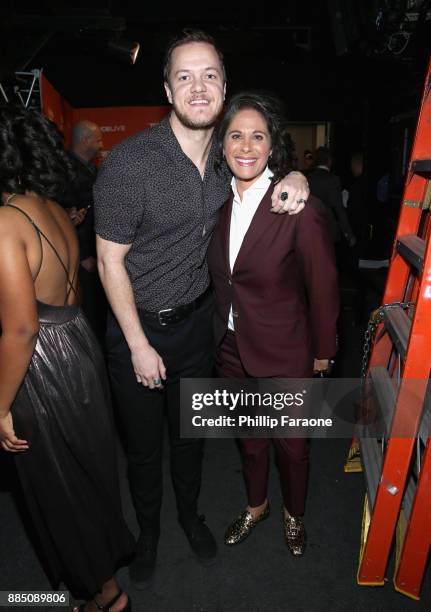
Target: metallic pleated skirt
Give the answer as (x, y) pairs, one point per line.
(69, 475)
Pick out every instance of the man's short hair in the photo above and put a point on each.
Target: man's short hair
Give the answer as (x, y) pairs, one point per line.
(323, 156)
(189, 36)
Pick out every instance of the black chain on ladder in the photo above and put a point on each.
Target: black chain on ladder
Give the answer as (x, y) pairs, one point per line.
(376, 318)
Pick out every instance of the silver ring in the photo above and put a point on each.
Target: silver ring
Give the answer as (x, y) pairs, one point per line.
(283, 196)
(156, 381)
(300, 201)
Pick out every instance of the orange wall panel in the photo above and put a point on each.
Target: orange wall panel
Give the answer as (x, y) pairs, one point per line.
(118, 123)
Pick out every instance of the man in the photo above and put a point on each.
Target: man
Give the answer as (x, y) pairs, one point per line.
(357, 200)
(157, 198)
(326, 186)
(357, 213)
(308, 164)
(87, 143)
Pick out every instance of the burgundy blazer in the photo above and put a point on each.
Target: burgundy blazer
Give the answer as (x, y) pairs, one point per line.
(283, 289)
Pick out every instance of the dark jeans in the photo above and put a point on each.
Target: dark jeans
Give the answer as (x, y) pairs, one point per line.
(187, 351)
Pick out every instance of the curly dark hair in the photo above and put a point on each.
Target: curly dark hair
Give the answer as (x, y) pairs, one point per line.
(189, 36)
(271, 109)
(32, 154)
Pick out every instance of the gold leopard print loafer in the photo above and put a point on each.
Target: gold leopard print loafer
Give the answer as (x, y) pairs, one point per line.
(242, 526)
(295, 534)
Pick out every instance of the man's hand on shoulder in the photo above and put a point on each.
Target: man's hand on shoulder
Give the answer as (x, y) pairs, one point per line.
(295, 185)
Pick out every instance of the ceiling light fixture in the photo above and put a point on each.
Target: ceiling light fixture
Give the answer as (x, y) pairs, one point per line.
(124, 49)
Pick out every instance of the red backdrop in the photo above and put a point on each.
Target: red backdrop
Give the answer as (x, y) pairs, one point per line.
(116, 123)
(55, 107)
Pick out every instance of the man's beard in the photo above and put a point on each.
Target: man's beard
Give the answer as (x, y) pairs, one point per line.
(202, 124)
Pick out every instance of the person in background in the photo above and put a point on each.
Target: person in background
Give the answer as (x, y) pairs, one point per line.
(276, 298)
(357, 200)
(55, 413)
(87, 144)
(157, 198)
(308, 162)
(326, 186)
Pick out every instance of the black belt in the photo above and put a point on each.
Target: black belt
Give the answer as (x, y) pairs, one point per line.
(166, 316)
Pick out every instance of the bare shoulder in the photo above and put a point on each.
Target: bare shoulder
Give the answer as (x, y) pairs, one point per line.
(11, 220)
(40, 211)
(44, 210)
(7, 221)
(59, 213)
(60, 222)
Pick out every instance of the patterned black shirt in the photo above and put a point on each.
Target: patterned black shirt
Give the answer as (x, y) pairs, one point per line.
(150, 194)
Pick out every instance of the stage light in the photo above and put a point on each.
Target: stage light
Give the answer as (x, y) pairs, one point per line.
(124, 49)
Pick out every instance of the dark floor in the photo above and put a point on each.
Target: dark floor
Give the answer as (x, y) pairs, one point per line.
(259, 575)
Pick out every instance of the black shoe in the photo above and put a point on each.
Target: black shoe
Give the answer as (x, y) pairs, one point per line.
(200, 538)
(142, 568)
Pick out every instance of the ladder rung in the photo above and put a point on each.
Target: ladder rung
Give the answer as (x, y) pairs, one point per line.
(371, 458)
(398, 325)
(386, 395)
(422, 167)
(412, 248)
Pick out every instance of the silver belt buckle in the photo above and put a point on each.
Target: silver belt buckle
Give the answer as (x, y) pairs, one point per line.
(160, 312)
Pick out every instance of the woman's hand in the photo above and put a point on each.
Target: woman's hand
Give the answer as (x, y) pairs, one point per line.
(8, 439)
(321, 365)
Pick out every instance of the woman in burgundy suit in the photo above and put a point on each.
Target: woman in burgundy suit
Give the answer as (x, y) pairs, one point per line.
(276, 297)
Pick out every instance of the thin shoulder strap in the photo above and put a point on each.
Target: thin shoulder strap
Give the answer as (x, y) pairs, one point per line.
(40, 233)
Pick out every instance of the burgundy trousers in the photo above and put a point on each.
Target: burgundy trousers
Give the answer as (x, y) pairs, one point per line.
(292, 453)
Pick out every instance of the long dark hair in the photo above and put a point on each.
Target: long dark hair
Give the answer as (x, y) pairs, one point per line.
(271, 109)
(32, 155)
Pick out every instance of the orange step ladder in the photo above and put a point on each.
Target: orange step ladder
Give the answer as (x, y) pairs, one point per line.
(414, 536)
(398, 489)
